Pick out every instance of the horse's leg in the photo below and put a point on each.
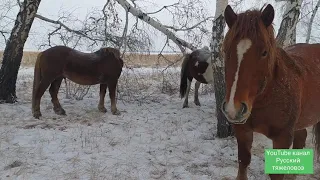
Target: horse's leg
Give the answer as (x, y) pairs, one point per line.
(53, 90)
(299, 142)
(39, 91)
(196, 90)
(185, 103)
(103, 90)
(283, 141)
(112, 85)
(244, 137)
(299, 139)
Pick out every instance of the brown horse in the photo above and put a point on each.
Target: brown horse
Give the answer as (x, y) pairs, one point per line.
(269, 90)
(195, 65)
(102, 67)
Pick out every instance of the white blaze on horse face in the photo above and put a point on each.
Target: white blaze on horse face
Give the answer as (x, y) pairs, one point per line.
(208, 74)
(242, 48)
(196, 64)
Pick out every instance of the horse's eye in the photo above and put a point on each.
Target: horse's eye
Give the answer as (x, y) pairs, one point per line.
(264, 54)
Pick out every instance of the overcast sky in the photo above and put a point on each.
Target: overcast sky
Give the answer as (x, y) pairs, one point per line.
(79, 8)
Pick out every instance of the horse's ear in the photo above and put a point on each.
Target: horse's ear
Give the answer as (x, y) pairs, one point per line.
(230, 16)
(267, 15)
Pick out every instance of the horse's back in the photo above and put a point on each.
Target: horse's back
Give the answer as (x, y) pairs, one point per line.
(57, 51)
(64, 61)
(308, 57)
(53, 59)
(304, 50)
(80, 67)
(55, 56)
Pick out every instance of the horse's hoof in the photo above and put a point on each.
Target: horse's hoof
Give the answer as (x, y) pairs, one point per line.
(197, 103)
(116, 112)
(60, 111)
(37, 114)
(290, 177)
(102, 109)
(185, 106)
(241, 178)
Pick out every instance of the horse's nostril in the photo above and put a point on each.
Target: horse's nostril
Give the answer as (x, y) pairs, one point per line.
(244, 108)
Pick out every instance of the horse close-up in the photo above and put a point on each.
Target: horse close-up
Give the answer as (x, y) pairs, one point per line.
(270, 90)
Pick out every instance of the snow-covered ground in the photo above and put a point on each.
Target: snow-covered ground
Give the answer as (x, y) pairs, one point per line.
(153, 138)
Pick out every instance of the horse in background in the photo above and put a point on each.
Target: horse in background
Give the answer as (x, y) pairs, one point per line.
(195, 65)
(269, 90)
(102, 67)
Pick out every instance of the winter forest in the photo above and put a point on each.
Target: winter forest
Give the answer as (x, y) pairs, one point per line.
(139, 125)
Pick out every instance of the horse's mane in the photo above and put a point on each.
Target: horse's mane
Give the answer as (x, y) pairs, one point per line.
(292, 62)
(114, 51)
(250, 25)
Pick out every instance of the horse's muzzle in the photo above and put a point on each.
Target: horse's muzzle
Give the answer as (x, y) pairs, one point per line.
(240, 117)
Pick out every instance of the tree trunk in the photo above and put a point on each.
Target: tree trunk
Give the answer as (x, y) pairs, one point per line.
(224, 129)
(143, 16)
(287, 32)
(14, 50)
(314, 12)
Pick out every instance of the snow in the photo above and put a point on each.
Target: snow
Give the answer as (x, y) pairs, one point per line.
(153, 138)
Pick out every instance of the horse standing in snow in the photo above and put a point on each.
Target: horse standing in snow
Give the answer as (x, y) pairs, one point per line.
(195, 65)
(102, 67)
(269, 90)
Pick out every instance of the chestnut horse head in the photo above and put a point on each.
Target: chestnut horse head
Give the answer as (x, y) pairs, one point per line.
(249, 49)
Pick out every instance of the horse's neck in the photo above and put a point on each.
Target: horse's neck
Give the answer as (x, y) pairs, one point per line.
(284, 69)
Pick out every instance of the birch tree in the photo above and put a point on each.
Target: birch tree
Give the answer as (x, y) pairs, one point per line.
(14, 49)
(314, 12)
(223, 127)
(287, 33)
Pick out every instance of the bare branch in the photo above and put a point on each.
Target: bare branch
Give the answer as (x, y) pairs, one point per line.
(52, 33)
(314, 12)
(19, 3)
(65, 26)
(106, 19)
(189, 28)
(164, 7)
(6, 20)
(124, 34)
(138, 13)
(3, 33)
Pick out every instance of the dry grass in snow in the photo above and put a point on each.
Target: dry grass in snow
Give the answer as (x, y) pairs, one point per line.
(153, 138)
(131, 59)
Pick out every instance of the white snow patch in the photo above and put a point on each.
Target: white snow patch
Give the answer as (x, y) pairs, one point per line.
(149, 140)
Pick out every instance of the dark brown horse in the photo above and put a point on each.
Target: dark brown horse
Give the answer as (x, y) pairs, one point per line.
(269, 90)
(195, 65)
(102, 67)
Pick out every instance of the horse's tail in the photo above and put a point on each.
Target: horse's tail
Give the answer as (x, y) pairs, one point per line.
(316, 138)
(36, 77)
(184, 76)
